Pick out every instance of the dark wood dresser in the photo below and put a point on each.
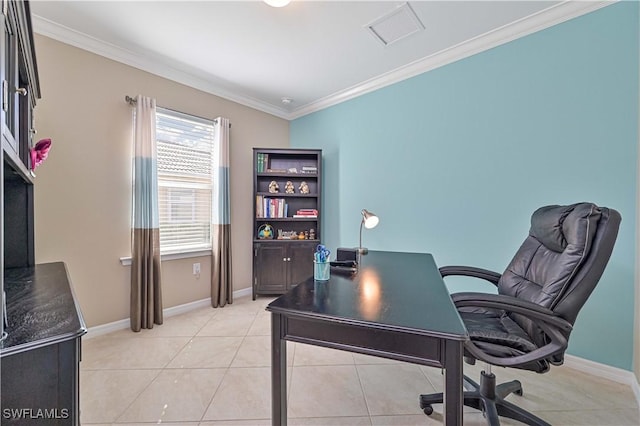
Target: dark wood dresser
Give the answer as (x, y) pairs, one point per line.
(40, 358)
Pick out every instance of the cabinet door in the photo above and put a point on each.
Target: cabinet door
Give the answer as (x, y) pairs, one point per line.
(270, 268)
(20, 87)
(9, 79)
(301, 264)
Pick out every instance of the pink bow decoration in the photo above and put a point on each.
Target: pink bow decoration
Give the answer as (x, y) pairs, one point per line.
(40, 152)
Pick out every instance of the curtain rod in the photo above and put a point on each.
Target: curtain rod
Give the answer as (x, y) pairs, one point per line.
(132, 101)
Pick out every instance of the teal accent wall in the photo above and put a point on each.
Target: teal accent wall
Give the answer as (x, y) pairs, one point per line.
(455, 160)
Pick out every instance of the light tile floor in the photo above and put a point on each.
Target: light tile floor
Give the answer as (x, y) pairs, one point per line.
(212, 367)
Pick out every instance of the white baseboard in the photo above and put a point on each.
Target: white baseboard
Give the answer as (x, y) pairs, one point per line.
(123, 324)
(606, 372)
(242, 292)
(636, 390)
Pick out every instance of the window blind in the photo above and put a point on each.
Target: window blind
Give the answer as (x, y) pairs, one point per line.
(185, 181)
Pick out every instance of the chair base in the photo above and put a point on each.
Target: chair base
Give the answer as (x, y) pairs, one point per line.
(488, 398)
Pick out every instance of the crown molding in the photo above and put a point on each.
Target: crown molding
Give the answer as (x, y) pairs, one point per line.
(158, 67)
(546, 18)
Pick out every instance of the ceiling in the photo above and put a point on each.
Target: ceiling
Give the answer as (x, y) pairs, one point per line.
(316, 53)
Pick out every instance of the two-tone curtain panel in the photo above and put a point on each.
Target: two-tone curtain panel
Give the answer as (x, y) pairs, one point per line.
(221, 285)
(146, 282)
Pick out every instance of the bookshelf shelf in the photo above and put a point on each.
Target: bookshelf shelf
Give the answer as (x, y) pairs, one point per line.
(281, 195)
(286, 219)
(287, 242)
(281, 263)
(288, 175)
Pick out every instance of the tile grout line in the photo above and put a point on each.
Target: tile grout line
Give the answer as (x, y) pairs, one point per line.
(161, 370)
(227, 369)
(137, 396)
(364, 395)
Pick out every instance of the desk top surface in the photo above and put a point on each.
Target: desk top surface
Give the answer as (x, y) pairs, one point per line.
(391, 290)
(41, 308)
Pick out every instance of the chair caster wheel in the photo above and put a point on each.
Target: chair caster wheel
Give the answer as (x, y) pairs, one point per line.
(428, 410)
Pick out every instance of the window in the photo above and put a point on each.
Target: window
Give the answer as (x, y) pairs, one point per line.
(185, 165)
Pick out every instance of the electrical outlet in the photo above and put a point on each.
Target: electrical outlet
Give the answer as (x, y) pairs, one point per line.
(196, 269)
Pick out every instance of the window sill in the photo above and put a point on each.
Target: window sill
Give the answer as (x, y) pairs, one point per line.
(126, 261)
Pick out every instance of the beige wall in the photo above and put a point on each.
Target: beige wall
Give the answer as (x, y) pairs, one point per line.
(83, 190)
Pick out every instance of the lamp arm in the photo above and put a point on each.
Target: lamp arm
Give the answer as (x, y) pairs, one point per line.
(360, 241)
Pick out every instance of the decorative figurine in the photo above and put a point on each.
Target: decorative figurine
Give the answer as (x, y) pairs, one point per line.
(301, 236)
(304, 188)
(39, 152)
(289, 235)
(288, 187)
(265, 232)
(273, 187)
(312, 234)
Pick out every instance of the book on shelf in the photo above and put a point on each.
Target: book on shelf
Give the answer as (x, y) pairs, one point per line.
(262, 162)
(307, 212)
(305, 216)
(310, 169)
(259, 206)
(267, 207)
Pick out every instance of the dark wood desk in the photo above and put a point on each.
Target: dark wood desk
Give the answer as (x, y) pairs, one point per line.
(396, 306)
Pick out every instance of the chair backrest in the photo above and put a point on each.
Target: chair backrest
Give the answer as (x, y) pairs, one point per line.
(562, 260)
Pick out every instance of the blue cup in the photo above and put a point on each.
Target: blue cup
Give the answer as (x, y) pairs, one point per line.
(321, 271)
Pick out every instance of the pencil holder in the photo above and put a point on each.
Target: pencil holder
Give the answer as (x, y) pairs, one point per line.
(321, 271)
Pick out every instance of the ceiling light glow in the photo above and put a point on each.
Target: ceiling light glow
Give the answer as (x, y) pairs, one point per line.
(277, 3)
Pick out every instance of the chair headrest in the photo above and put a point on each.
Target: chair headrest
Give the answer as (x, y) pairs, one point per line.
(550, 226)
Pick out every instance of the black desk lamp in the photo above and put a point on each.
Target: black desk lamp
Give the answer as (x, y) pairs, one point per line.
(369, 220)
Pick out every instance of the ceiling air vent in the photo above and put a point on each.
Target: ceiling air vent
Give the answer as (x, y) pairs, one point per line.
(396, 25)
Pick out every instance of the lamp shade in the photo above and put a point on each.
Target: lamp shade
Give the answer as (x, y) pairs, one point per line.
(370, 219)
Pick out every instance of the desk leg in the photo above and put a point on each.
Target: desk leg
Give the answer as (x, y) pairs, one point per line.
(278, 372)
(453, 388)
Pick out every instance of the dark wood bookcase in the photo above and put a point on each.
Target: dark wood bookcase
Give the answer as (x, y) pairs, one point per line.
(285, 229)
(41, 340)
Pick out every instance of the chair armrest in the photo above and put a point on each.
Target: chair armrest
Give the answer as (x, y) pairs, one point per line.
(510, 304)
(555, 327)
(470, 271)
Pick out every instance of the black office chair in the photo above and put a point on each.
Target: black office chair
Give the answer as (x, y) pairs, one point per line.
(528, 323)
